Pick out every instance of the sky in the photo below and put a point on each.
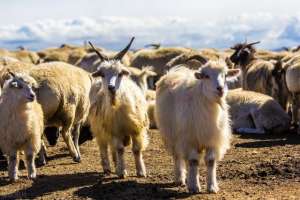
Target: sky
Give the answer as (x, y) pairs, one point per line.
(38, 24)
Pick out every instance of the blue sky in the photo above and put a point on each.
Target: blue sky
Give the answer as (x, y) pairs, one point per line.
(195, 23)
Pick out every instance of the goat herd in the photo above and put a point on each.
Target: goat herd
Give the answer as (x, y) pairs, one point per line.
(196, 98)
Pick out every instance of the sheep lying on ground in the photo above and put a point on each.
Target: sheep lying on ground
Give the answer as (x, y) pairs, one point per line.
(253, 112)
(259, 75)
(192, 116)
(18, 104)
(118, 114)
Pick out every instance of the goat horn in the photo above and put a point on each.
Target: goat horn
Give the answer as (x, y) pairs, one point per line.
(154, 45)
(199, 58)
(11, 73)
(121, 54)
(253, 43)
(102, 58)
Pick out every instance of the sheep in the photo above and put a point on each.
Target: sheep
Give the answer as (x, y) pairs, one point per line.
(21, 55)
(65, 53)
(192, 116)
(157, 58)
(260, 75)
(161, 59)
(9, 64)
(140, 77)
(253, 112)
(18, 104)
(191, 60)
(63, 93)
(118, 114)
(292, 82)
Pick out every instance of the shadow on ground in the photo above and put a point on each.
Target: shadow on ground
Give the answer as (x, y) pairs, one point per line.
(130, 190)
(269, 140)
(47, 184)
(93, 186)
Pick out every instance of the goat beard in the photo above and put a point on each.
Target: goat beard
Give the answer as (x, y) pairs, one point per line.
(222, 103)
(113, 99)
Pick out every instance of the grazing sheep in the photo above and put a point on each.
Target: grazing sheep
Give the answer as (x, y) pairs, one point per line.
(192, 116)
(63, 93)
(118, 114)
(260, 75)
(253, 112)
(18, 104)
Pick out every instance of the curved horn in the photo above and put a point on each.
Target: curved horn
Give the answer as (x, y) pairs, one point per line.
(154, 45)
(11, 73)
(199, 58)
(102, 58)
(120, 55)
(253, 43)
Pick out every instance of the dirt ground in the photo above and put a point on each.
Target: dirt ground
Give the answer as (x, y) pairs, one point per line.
(260, 167)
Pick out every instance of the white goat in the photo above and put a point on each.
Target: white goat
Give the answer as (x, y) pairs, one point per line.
(118, 114)
(21, 124)
(192, 116)
(253, 112)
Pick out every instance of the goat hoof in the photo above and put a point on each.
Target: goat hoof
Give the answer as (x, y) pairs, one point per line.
(107, 172)
(122, 175)
(194, 190)
(13, 179)
(77, 159)
(212, 189)
(141, 175)
(180, 183)
(32, 176)
(40, 163)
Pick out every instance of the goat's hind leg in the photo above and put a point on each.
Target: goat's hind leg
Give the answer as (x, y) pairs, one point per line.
(254, 119)
(179, 170)
(137, 147)
(13, 163)
(120, 151)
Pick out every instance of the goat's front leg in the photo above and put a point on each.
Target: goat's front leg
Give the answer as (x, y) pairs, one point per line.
(211, 163)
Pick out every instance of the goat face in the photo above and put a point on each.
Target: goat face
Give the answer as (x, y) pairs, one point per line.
(215, 77)
(112, 73)
(242, 53)
(22, 87)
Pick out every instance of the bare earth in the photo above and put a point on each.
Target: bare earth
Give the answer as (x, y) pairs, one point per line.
(261, 167)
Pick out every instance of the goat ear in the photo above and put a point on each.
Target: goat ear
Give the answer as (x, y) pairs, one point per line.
(233, 74)
(125, 72)
(200, 75)
(98, 73)
(14, 84)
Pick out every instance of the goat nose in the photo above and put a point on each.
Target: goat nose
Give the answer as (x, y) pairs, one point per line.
(111, 88)
(220, 89)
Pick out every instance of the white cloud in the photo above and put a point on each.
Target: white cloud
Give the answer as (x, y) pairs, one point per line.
(114, 32)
